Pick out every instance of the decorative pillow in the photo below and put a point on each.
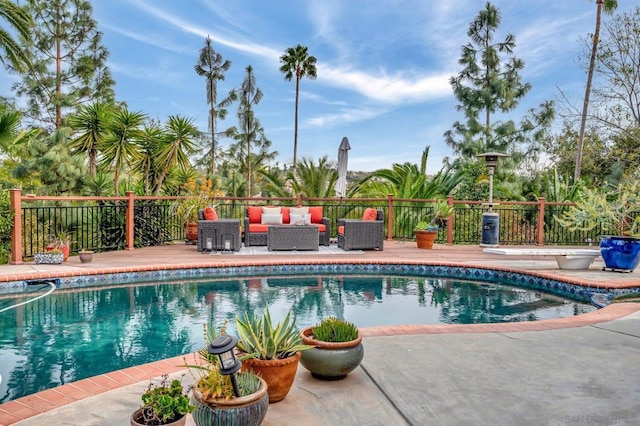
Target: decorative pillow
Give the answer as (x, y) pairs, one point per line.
(254, 213)
(210, 213)
(272, 219)
(271, 210)
(316, 214)
(299, 210)
(301, 219)
(285, 215)
(370, 214)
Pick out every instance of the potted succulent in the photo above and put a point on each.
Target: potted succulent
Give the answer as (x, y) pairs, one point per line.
(271, 351)
(165, 403)
(214, 396)
(615, 211)
(53, 256)
(61, 242)
(337, 349)
(426, 232)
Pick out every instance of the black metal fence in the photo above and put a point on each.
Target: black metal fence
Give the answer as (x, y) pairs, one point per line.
(100, 224)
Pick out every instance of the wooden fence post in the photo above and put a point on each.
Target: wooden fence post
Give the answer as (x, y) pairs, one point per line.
(541, 202)
(450, 223)
(15, 196)
(129, 236)
(390, 217)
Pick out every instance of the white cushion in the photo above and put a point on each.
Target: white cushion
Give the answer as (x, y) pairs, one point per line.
(299, 210)
(297, 219)
(272, 219)
(271, 210)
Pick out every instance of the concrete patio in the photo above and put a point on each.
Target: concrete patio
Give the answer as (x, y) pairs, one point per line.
(577, 370)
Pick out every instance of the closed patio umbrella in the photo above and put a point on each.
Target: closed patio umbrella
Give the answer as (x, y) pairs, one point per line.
(343, 157)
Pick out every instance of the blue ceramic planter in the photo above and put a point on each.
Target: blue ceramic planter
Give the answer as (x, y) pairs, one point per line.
(620, 253)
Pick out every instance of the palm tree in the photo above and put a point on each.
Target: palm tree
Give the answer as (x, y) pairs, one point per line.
(120, 147)
(251, 129)
(609, 7)
(90, 124)
(13, 141)
(296, 61)
(20, 21)
(180, 143)
(146, 163)
(211, 66)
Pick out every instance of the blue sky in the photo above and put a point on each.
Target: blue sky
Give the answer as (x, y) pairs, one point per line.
(383, 65)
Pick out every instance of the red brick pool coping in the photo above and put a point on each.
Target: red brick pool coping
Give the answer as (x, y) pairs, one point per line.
(32, 405)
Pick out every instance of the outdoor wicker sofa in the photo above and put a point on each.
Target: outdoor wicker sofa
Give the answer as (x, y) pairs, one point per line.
(255, 230)
(359, 234)
(217, 232)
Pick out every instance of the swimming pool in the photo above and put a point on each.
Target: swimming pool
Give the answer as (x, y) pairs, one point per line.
(76, 333)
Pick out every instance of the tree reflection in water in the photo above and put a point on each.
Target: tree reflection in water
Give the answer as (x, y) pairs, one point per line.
(74, 334)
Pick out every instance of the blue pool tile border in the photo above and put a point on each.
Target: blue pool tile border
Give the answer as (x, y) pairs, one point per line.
(519, 279)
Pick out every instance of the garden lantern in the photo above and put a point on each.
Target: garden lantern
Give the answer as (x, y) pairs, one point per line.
(222, 346)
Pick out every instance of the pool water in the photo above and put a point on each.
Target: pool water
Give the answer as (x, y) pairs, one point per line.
(73, 334)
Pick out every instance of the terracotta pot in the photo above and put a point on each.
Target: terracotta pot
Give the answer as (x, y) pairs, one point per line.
(330, 360)
(247, 410)
(278, 373)
(191, 231)
(137, 420)
(425, 239)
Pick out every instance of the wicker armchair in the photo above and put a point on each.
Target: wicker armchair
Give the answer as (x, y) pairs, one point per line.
(218, 231)
(357, 234)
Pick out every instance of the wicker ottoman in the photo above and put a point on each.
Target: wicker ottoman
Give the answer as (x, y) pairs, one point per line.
(292, 237)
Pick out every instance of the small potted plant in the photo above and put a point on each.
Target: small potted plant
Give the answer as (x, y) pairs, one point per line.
(62, 242)
(273, 352)
(53, 256)
(615, 211)
(85, 256)
(214, 396)
(198, 196)
(165, 403)
(337, 349)
(426, 232)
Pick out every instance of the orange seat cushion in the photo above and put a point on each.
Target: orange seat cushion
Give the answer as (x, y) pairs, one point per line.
(370, 214)
(255, 214)
(341, 229)
(316, 214)
(258, 227)
(210, 213)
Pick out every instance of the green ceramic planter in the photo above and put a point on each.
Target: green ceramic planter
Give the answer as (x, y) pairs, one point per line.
(330, 361)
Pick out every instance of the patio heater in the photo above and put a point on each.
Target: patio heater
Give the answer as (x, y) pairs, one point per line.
(490, 220)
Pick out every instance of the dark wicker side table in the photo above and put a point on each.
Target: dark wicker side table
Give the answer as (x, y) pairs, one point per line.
(217, 232)
(292, 237)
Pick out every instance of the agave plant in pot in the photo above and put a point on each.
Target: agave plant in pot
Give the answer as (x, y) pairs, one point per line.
(615, 211)
(164, 403)
(337, 349)
(224, 398)
(271, 351)
(426, 232)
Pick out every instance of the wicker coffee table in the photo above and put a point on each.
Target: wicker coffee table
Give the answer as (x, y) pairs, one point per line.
(292, 237)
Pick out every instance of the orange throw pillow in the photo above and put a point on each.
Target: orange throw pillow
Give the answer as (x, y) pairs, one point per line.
(316, 214)
(210, 213)
(370, 214)
(255, 214)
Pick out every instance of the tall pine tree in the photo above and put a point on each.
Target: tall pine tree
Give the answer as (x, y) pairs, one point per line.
(69, 61)
(490, 83)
